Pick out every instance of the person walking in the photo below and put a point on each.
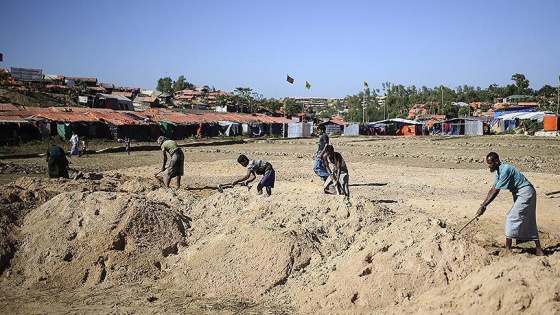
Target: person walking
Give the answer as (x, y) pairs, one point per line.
(177, 163)
(521, 220)
(84, 146)
(127, 145)
(74, 141)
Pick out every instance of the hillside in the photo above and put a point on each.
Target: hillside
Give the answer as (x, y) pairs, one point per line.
(35, 99)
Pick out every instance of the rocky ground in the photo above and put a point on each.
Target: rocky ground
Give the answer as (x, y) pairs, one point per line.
(117, 242)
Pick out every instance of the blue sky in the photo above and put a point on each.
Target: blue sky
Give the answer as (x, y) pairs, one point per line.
(334, 45)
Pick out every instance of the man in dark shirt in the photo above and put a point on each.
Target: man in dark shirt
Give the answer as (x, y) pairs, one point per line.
(57, 162)
(319, 166)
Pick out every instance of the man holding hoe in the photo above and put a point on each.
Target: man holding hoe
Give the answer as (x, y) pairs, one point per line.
(521, 220)
(259, 167)
(338, 175)
(176, 165)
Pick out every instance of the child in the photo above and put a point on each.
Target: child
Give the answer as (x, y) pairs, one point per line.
(339, 175)
(84, 146)
(127, 145)
(259, 167)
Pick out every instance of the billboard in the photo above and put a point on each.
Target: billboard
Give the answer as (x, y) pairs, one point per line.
(26, 74)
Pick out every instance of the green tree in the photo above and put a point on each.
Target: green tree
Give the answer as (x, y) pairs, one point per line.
(291, 106)
(272, 104)
(182, 84)
(245, 97)
(521, 83)
(165, 85)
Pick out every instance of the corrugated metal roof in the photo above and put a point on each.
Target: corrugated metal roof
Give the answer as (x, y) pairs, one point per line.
(115, 118)
(116, 96)
(86, 114)
(65, 117)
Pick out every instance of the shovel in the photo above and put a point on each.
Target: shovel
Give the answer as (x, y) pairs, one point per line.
(222, 186)
(464, 226)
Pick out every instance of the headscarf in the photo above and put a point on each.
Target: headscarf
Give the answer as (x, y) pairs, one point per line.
(161, 139)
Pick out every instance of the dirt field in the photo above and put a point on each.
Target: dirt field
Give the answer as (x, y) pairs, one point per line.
(116, 242)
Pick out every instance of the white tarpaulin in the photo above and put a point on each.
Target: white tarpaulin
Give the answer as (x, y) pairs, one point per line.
(538, 116)
(352, 130)
(299, 130)
(473, 128)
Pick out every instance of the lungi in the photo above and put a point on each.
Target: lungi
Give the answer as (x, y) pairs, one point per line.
(521, 220)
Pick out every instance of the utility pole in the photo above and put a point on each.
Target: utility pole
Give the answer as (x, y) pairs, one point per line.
(284, 123)
(558, 102)
(441, 99)
(364, 108)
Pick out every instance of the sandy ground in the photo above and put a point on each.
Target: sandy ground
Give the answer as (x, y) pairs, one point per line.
(116, 242)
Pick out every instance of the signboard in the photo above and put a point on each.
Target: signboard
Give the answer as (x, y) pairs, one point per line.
(25, 74)
(82, 99)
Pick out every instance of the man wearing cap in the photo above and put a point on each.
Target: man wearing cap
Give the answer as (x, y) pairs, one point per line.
(176, 165)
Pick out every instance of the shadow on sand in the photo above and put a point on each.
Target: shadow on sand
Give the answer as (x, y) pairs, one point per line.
(367, 184)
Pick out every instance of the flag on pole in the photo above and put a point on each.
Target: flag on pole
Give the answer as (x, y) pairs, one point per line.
(365, 84)
(290, 79)
(307, 85)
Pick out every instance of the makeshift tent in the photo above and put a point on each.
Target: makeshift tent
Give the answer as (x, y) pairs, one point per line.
(352, 130)
(513, 120)
(459, 126)
(298, 130)
(396, 127)
(64, 130)
(110, 101)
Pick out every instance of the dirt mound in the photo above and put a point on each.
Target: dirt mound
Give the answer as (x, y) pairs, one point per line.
(87, 238)
(118, 238)
(502, 287)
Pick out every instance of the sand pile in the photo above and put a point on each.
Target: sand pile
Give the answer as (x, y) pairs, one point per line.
(120, 236)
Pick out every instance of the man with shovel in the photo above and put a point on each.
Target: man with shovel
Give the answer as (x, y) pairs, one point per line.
(521, 221)
(176, 165)
(259, 167)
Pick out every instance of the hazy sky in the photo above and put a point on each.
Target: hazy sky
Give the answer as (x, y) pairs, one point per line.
(334, 45)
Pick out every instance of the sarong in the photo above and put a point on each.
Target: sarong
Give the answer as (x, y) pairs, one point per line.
(177, 164)
(521, 220)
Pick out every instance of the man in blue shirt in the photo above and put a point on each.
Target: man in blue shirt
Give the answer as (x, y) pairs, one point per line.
(319, 166)
(521, 220)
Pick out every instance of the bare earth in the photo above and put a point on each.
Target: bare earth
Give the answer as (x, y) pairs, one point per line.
(116, 242)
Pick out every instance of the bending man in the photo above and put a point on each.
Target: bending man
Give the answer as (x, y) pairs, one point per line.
(521, 221)
(177, 163)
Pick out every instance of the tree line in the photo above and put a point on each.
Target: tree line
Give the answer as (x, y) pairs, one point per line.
(396, 100)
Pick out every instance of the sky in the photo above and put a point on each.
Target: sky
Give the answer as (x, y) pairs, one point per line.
(333, 45)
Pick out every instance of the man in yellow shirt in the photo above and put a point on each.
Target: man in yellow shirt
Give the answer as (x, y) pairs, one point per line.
(177, 163)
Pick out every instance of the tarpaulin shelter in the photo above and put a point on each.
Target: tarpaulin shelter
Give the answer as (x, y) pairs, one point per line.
(511, 121)
(459, 126)
(352, 130)
(396, 127)
(114, 102)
